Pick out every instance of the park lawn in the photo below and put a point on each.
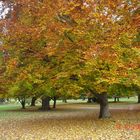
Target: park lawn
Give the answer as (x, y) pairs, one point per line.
(70, 122)
(127, 100)
(9, 107)
(123, 101)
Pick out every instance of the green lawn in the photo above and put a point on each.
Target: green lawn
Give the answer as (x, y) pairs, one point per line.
(9, 106)
(12, 106)
(130, 100)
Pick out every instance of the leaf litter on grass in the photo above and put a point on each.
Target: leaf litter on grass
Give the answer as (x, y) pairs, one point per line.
(69, 123)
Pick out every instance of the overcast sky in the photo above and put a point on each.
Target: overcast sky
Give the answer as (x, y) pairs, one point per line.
(3, 11)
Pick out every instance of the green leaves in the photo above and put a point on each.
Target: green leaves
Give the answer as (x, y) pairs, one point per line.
(119, 89)
(69, 35)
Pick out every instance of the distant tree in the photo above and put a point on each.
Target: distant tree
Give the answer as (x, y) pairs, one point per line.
(136, 90)
(33, 101)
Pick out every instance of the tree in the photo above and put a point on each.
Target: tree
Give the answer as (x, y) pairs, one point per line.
(118, 90)
(71, 46)
(33, 101)
(104, 111)
(136, 90)
(138, 98)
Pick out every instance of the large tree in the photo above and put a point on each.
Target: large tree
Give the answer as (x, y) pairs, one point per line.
(68, 47)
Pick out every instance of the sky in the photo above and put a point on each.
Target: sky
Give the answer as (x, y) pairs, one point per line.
(3, 11)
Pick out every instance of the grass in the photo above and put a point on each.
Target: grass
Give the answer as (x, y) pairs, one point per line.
(127, 100)
(71, 121)
(123, 101)
(9, 107)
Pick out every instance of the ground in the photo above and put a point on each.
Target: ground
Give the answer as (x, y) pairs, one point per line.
(70, 122)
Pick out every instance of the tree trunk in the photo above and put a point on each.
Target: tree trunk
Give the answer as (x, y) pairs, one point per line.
(104, 108)
(89, 100)
(115, 99)
(138, 98)
(22, 101)
(83, 98)
(45, 103)
(65, 100)
(33, 101)
(54, 104)
(118, 99)
(94, 99)
(23, 104)
(2, 100)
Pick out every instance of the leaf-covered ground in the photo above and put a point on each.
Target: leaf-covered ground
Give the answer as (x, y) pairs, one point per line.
(71, 122)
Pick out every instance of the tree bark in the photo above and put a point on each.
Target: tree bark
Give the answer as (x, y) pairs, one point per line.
(118, 99)
(23, 104)
(104, 107)
(65, 100)
(22, 100)
(54, 104)
(45, 103)
(115, 99)
(89, 100)
(94, 99)
(138, 98)
(33, 101)
(2, 100)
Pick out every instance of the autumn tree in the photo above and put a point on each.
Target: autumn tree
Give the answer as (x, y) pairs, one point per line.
(67, 47)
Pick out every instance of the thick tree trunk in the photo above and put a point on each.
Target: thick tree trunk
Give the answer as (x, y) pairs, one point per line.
(54, 103)
(138, 98)
(118, 99)
(33, 101)
(104, 108)
(45, 103)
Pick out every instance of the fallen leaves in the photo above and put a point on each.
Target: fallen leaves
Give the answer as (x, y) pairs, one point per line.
(69, 122)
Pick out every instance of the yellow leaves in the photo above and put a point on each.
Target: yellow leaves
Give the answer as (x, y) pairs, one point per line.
(113, 3)
(96, 15)
(101, 88)
(62, 75)
(37, 81)
(11, 66)
(23, 75)
(55, 40)
(26, 19)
